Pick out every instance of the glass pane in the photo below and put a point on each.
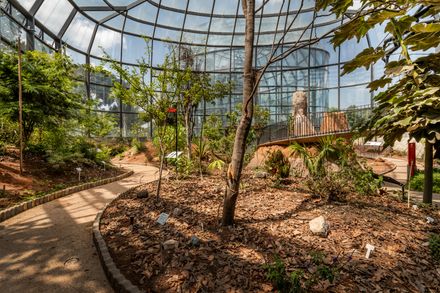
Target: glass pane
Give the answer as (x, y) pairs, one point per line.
(53, 14)
(107, 41)
(79, 32)
(204, 6)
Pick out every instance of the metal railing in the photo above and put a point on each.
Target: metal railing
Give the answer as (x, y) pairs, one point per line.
(315, 124)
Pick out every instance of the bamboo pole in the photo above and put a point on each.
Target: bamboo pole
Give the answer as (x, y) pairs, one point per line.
(20, 106)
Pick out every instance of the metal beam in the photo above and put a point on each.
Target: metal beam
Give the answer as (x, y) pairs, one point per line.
(67, 24)
(102, 8)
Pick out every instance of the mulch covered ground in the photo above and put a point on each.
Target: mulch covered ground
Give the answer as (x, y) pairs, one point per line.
(269, 222)
(40, 178)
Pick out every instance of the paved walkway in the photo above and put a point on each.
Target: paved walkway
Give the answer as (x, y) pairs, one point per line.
(400, 174)
(49, 248)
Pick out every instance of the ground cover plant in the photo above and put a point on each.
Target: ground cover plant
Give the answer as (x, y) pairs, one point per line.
(417, 182)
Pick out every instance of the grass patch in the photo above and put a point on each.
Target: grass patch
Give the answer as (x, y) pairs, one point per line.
(417, 182)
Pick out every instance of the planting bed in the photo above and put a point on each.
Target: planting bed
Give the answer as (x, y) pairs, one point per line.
(40, 178)
(269, 222)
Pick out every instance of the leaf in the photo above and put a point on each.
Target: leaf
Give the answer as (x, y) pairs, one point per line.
(364, 59)
(404, 122)
(397, 67)
(426, 28)
(379, 83)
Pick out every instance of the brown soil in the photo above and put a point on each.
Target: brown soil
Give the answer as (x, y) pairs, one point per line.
(269, 222)
(149, 155)
(40, 178)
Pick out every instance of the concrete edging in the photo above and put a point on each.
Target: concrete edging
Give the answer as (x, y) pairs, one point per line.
(19, 208)
(117, 280)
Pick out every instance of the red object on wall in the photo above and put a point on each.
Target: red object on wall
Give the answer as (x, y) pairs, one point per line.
(412, 157)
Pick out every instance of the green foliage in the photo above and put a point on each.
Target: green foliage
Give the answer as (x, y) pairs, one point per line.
(221, 136)
(277, 164)
(217, 165)
(417, 182)
(166, 136)
(276, 274)
(434, 246)
(335, 170)
(117, 149)
(410, 105)
(94, 124)
(327, 150)
(356, 119)
(298, 280)
(8, 131)
(49, 97)
(137, 145)
(185, 166)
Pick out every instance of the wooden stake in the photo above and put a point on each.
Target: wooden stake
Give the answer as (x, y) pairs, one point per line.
(20, 106)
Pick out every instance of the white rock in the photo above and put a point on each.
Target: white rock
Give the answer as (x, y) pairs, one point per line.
(319, 226)
(429, 220)
(170, 244)
(415, 207)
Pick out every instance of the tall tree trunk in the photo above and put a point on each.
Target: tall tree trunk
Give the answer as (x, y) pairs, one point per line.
(428, 176)
(236, 165)
(189, 129)
(159, 181)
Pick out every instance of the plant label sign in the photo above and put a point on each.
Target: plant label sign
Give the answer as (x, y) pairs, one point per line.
(163, 218)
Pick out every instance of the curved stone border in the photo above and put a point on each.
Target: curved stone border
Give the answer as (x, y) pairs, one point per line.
(117, 280)
(19, 208)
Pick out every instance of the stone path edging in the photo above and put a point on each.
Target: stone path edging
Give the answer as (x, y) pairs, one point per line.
(19, 208)
(117, 280)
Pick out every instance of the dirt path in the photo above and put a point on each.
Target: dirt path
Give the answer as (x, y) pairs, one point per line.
(50, 249)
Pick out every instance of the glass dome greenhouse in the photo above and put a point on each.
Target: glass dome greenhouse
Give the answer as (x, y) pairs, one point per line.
(214, 30)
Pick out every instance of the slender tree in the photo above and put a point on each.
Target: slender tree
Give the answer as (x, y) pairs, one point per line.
(193, 87)
(236, 165)
(154, 98)
(252, 77)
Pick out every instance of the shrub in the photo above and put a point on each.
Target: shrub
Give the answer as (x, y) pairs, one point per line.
(184, 166)
(333, 186)
(277, 164)
(417, 182)
(137, 146)
(335, 170)
(117, 149)
(8, 131)
(434, 246)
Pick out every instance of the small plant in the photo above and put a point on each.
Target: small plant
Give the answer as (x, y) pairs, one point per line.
(184, 166)
(276, 274)
(217, 165)
(434, 246)
(137, 146)
(299, 280)
(277, 165)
